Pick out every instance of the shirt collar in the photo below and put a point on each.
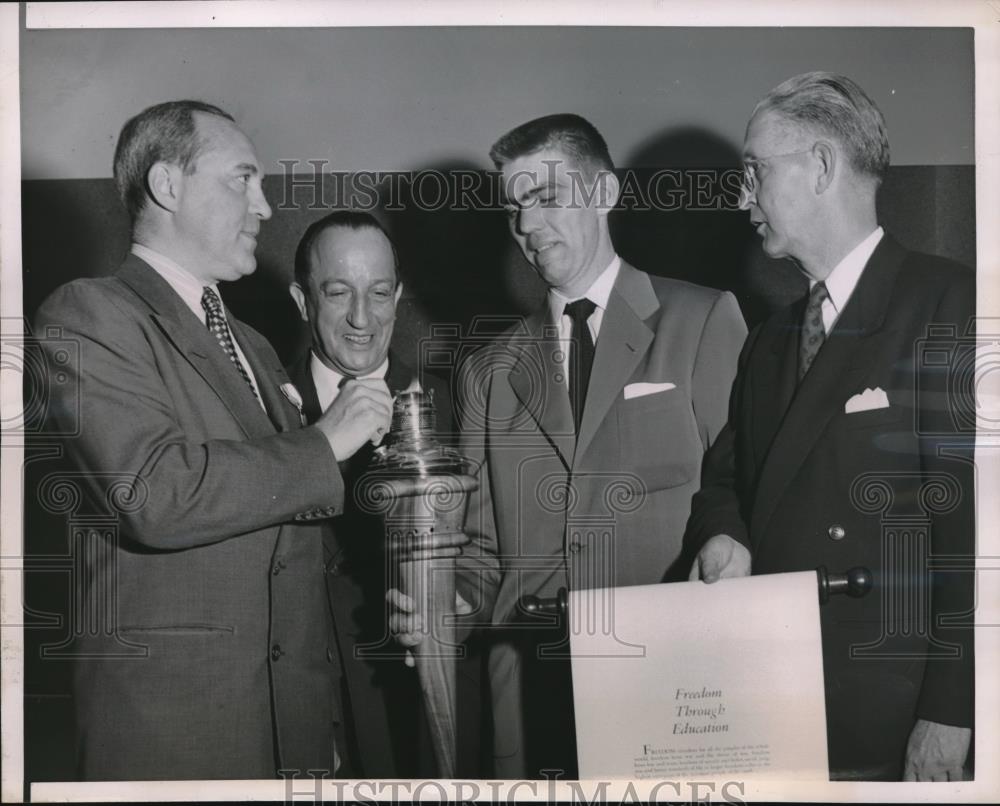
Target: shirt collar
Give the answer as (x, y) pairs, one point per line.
(328, 380)
(598, 293)
(845, 275)
(188, 287)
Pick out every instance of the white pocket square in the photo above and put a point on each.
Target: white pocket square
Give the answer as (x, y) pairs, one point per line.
(640, 389)
(866, 401)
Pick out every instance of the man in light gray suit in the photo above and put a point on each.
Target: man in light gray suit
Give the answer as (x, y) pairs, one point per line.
(589, 419)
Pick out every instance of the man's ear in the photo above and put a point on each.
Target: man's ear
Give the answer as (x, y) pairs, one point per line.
(608, 189)
(300, 300)
(827, 160)
(163, 182)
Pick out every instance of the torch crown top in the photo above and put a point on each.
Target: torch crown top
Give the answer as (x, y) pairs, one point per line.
(411, 447)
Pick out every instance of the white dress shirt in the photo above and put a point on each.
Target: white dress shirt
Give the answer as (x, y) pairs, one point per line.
(844, 277)
(598, 293)
(328, 380)
(190, 289)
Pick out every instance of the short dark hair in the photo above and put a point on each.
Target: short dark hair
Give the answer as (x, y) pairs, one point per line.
(575, 136)
(165, 132)
(837, 107)
(347, 219)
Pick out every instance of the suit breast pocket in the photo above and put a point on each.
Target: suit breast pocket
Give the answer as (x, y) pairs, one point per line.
(872, 418)
(658, 439)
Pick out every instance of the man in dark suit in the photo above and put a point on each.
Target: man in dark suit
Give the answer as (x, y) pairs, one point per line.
(346, 288)
(589, 420)
(843, 446)
(216, 661)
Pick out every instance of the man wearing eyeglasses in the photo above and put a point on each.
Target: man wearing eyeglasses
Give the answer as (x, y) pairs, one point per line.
(842, 447)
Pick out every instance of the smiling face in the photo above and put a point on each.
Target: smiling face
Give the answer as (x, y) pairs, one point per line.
(557, 218)
(220, 205)
(350, 303)
(783, 208)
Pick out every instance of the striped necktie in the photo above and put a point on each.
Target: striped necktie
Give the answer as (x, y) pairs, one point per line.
(813, 332)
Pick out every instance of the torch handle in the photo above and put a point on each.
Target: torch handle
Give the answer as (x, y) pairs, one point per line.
(429, 578)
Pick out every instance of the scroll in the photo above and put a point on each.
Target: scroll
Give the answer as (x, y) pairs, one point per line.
(701, 681)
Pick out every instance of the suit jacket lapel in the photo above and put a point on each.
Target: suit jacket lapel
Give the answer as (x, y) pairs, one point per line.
(269, 376)
(399, 376)
(845, 358)
(301, 375)
(546, 398)
(622, 341)
(775, 378)
(198, 346)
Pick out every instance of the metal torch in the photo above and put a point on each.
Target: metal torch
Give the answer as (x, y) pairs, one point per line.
(420, 487)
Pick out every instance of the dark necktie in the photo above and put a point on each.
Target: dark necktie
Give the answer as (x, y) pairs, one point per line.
(216, 321)
(581, 356)
(352, 467)
(813, 331)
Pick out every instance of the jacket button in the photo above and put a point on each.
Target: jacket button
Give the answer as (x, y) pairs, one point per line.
(278, 566)
(836, 532)
(329, 655)
(276, 652)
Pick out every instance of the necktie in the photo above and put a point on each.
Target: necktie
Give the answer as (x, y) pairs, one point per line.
(813, 332)
(216, 321)
(354, 466)
(581, 355)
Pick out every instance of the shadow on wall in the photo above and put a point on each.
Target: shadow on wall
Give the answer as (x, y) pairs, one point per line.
(678, 218)
(458, 259)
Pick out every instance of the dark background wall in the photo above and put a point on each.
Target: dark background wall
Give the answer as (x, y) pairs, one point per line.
(434, 99)
(418, 99)
(460, 263)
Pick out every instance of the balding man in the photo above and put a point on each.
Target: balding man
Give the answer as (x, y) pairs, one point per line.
(347, 288)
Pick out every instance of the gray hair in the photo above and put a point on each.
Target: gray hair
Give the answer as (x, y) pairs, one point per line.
(836, 106)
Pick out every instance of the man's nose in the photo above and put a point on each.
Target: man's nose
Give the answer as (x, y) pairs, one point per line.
(258, 203)
(358, 314)
(529, 219)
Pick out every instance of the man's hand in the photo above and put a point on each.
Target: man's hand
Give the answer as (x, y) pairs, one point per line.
(407, 626)
(720, 558)
(362, 412)
(936, 752)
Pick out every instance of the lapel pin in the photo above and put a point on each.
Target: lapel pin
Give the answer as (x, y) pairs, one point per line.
(289, 391)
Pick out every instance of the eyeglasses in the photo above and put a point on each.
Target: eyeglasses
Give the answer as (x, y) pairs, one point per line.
(748, 187)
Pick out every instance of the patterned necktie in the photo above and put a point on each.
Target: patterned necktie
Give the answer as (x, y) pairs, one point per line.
(813, 333)
(581, 356)
(216, 321)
